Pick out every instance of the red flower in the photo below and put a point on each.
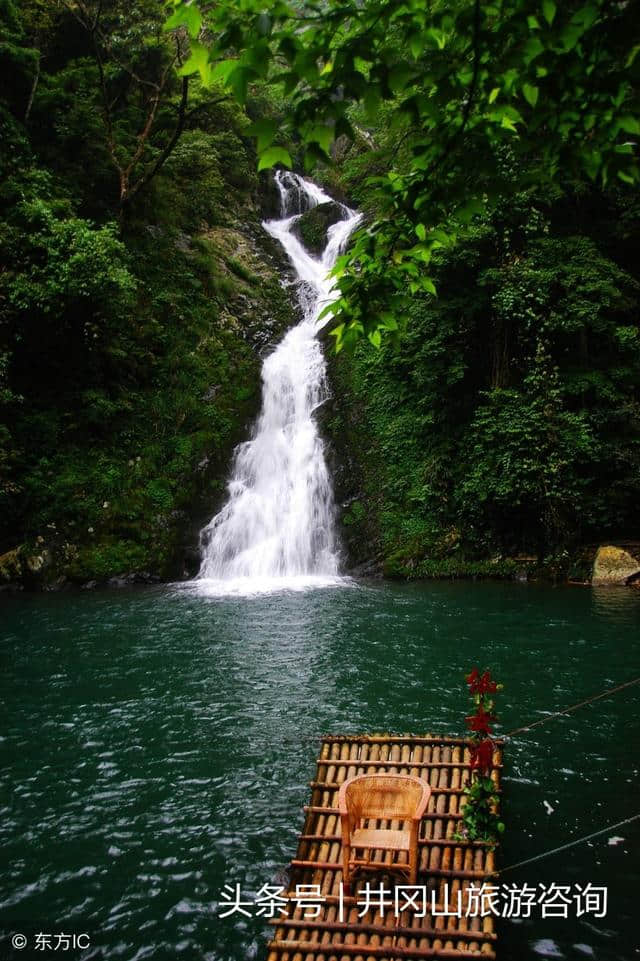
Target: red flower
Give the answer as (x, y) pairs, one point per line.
(480, 721)
(487, 685)
(472, 678)
(482, 755)
(481, 684)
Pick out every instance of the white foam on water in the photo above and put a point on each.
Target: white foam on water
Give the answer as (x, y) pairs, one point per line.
(246, 586)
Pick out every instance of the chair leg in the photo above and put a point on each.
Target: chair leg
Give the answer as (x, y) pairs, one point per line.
(413, 858)
(346, 870)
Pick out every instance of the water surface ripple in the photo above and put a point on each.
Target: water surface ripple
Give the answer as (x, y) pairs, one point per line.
(158, 744)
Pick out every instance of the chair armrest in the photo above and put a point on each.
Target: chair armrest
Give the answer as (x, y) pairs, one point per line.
(342, 799)
(422, 804)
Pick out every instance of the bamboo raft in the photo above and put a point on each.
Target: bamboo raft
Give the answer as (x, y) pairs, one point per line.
(448, 868)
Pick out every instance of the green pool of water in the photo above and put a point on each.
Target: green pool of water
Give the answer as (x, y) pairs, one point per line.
(158, 744)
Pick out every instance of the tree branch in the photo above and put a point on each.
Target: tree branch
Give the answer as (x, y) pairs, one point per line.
(205, 106)
(153, 170)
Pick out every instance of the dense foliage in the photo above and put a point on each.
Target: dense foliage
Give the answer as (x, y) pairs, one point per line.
(130, 325)
(504, 423)
(464, 78)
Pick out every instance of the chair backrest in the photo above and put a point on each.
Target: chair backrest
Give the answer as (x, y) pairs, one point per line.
(398, 796)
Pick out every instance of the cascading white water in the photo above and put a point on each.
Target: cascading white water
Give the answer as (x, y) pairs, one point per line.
(277, 526)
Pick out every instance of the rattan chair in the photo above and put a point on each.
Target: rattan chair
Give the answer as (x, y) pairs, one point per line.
(369, 798)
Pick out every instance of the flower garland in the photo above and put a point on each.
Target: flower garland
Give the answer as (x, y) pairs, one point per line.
(479, 819)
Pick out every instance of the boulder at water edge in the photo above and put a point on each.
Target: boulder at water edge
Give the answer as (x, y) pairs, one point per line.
(613, 565)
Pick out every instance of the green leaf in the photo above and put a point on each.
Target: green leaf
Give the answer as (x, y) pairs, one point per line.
(238, 81)
(464, 213)
(548, 10)
(586, 16)
(530, 93)
(399, 77)
(629, 124)
(185, 15)
(337, 332)
(438, 37)
(416, 45)
(494, 93)
(507, 116)
(198, 62)
(509, 78)
(327, 311)
(273, 156)
(222, 70)
(532, 49)
(256, 58)
(422, 253)
(570, 36)
(632, 55)
(313, 155)
(264, 131)
(321, 135)
(421, 231)
(592, 162)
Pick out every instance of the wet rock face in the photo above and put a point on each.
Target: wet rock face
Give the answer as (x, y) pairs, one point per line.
(250, 273)
(313, 225)
(268, 196)
(614, 565)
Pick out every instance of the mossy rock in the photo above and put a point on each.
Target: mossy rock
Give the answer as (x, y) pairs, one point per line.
(108, 558)
(244, 272)
(614, 565)
(11, 565)
(312, 227)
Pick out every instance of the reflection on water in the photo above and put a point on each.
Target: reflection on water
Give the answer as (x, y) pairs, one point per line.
(618, 604)
(159, 744)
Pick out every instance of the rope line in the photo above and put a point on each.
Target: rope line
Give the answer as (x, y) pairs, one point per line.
(574, 707)
(517, 730)
(315, 738)
(569, 844)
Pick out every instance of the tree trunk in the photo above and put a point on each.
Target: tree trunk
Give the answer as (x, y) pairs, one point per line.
(32, 93)
(500, 355)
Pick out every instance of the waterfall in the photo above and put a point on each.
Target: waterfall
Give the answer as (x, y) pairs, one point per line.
(277, 527)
